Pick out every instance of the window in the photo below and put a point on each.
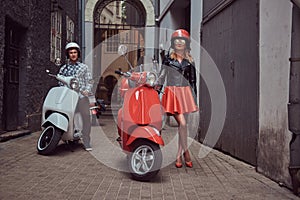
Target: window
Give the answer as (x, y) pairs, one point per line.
(70, 29)
(112, 40)
(56, 19)
(118, 8)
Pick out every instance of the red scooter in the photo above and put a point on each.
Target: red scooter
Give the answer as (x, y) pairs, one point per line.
(139, 123)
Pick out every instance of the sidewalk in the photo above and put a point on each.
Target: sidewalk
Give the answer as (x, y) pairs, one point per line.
(72, 173)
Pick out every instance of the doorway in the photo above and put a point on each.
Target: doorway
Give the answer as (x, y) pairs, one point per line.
(13, 35)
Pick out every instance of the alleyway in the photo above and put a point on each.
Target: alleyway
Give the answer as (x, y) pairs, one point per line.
(72, 173)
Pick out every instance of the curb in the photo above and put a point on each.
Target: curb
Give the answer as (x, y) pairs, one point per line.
(13, 134)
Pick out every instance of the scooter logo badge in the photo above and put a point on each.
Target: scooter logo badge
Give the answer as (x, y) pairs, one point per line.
(137, 94)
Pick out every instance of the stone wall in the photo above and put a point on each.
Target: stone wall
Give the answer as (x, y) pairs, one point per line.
(35, 19)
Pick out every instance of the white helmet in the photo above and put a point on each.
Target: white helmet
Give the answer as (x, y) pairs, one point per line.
(72, 45)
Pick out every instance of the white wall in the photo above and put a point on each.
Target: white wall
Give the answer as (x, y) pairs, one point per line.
(274, 48)
(89, 37)
(169, 24)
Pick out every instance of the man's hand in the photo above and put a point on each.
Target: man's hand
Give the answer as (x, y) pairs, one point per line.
(85, 93)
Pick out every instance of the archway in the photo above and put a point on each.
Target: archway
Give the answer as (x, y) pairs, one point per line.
(116, 22)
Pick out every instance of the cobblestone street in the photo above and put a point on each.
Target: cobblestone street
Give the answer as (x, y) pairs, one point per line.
(72, 173)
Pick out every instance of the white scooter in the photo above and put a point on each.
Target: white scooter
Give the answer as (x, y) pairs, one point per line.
(60, 121)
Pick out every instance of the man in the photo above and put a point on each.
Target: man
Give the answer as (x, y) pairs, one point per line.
(82, 73)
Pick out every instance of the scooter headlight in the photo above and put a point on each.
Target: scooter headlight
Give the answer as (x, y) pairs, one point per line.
(151, 79)
(74, 84)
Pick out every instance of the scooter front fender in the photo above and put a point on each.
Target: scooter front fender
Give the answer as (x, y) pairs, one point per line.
(145, 132)
(57, 120)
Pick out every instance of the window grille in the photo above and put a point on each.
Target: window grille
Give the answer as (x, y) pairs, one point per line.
(56, 23)
(70, 29)
(112, 41)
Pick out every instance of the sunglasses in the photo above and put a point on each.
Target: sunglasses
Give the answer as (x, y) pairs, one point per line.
(179, 41)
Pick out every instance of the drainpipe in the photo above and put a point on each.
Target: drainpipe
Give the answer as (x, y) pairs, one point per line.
(157, 32)
(81, 28)
(294, 100)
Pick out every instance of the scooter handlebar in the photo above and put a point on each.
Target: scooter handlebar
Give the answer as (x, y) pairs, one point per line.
(119, 72)
(126, 74)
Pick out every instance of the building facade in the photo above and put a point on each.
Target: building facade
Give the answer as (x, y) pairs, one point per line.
(247, 48)
(32, 35)
(251, 42)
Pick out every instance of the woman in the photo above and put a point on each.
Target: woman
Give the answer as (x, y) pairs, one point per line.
(180, 91)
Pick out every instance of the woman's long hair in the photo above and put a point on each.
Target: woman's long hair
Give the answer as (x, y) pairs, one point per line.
(187, 55)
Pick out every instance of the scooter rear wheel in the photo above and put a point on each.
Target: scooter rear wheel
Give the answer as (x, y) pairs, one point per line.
(145, 160)
(48, 140)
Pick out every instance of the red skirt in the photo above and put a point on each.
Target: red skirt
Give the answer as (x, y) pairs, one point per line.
(178, 100)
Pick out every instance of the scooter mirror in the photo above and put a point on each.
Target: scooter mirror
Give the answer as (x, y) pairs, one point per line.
(48, 72)
(122, 50)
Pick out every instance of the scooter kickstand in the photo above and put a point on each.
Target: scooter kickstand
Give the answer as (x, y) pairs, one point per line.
(119, 140)
(69, 145)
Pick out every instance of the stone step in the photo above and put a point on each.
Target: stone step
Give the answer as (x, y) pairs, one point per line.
(13, 134)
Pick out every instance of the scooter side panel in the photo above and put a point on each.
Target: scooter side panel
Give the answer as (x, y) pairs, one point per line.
(57, 120)
(61, 99)
(143, 107)
(145, 132)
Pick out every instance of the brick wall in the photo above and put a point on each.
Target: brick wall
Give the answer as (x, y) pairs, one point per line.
(35, 19)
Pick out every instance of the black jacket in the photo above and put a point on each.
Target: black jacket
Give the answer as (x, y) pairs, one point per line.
(178, 74)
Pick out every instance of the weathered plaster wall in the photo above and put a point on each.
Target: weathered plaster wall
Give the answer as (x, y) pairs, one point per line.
(274, 47)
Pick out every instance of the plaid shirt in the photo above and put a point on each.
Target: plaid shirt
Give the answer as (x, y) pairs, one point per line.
(81, 72)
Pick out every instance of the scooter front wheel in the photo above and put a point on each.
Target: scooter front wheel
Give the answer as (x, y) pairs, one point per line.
(48, 140)
(145, 160)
